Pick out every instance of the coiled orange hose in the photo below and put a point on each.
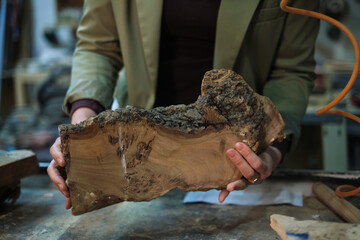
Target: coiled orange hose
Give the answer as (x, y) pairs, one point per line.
(327, 108)
(347, 190)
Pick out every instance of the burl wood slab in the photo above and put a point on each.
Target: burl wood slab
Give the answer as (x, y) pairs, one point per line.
(137, 155)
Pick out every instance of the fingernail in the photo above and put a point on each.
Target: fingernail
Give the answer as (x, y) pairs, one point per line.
(239, 146)
(62, 188)
(62, 163)
(231, 153)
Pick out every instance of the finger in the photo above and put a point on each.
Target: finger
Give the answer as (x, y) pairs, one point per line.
(67, 203)
(252, 158)
(237, 185)
(56, 153)
(244, 167)
(222, 196)
(57, 179)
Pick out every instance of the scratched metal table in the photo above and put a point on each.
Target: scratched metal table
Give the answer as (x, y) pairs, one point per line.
(39, 214)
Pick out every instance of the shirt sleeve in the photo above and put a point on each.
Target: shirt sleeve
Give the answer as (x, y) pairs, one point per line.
(94, 105)
(292, 76)
(97, 59)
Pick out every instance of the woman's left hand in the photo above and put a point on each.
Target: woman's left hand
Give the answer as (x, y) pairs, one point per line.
(254, 168)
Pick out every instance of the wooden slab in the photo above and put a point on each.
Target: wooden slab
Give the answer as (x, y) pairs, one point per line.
(137, 155)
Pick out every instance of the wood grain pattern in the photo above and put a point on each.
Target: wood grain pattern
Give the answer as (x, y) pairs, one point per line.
(137, 155)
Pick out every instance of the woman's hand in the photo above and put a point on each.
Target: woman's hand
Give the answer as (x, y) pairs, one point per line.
(56, 169)
(253, 168)
(57, 173)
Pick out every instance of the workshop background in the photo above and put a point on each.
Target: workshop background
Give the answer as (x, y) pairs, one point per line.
(37, 39)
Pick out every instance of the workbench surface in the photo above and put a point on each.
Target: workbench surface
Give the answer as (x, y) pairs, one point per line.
(39, 213)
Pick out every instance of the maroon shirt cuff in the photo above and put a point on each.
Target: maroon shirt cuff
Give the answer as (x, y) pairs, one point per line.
(92, 104)
(283, 146)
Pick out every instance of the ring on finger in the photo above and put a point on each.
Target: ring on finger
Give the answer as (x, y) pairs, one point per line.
(253, 181)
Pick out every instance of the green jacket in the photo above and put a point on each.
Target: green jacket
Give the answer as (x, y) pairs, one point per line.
(272, 50)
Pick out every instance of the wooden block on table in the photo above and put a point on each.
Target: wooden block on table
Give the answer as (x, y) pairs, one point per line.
(15, 165)
(290, 229)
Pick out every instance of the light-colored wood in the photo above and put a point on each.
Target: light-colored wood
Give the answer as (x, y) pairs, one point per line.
(27, 72)
(138, 155)
(339, 205)
(15, 165)
(289, 228)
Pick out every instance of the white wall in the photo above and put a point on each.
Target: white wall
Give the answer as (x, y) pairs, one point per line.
(44, 15)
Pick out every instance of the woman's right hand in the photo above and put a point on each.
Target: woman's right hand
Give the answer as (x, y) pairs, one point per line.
(56, 169)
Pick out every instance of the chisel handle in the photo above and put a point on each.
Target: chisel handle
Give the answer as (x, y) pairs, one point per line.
(339, 205)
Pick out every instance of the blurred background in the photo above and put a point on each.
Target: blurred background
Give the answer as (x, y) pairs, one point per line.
(37, 39)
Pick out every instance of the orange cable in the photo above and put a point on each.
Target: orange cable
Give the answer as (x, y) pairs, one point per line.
(327, 108)
(347, 190)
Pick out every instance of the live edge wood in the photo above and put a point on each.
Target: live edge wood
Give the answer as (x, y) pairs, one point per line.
(133, 154)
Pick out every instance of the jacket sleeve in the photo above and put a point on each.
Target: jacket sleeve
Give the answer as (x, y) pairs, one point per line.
(97, 57)
(292, 75)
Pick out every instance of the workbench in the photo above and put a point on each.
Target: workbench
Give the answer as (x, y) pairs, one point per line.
(334, 136)
(39, 213)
